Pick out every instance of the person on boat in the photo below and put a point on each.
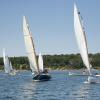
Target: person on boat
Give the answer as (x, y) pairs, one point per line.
(45, 71)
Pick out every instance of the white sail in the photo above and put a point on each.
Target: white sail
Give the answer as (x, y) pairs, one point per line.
(7, 64)
(11, 68)
(30, 49)
(40, 63)
(81, 38)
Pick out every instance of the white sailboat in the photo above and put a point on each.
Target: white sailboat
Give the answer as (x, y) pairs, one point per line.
(35, 65)
(81, 41)
(7, 64)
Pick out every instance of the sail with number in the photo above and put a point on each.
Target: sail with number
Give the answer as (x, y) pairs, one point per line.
(30, 49)
(40, 62)
(81, 38)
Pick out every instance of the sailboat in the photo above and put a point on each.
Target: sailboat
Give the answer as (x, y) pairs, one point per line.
(36, 65)
(82, 42)
(7, 64)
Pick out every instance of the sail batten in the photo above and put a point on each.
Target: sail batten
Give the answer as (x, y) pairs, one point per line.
(81, 38)
(30, 49)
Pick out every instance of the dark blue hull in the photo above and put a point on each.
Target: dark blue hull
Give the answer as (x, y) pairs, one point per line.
(42, 77)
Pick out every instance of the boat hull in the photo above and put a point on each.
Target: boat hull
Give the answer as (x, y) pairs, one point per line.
(75, 74)
(78, 75)
(42, 77)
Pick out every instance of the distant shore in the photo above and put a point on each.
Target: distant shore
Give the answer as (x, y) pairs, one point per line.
(55, 62)
(56, 68)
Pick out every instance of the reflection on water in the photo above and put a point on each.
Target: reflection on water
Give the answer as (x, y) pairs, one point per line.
(61, 87)
(88, 92)
(28, 91)
(18, 87)
(83, 91)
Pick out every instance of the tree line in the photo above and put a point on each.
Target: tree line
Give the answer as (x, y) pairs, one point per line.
(63, 61)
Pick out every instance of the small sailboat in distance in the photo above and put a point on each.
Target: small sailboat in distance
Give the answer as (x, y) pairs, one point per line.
(7, 64)
(82, 43)
(36, 65)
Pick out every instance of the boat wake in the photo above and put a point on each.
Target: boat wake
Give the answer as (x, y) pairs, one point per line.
(92, 80)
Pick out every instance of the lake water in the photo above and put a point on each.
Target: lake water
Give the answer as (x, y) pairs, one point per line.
(61, 87)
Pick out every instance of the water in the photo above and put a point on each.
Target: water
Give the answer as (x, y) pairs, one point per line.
(61, 87)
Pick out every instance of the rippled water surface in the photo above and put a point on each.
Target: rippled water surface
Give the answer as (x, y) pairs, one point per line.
(61, 87)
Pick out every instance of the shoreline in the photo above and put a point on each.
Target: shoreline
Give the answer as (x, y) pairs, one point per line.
(49, 69)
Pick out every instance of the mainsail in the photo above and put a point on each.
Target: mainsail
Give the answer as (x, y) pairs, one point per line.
(81, 38)
(7, 64)
(40, 62)
(30, 49)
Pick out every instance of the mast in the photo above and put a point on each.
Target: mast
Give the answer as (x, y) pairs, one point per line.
(84, 33)
(35, 54)
(81, 38)
(30, 48)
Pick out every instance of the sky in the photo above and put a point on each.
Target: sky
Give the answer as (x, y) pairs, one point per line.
(51, 24)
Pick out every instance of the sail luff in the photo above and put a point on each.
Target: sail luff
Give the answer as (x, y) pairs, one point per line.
(81, 38)
(30, 48)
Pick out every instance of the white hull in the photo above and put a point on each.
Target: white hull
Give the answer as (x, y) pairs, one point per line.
(12, 73)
